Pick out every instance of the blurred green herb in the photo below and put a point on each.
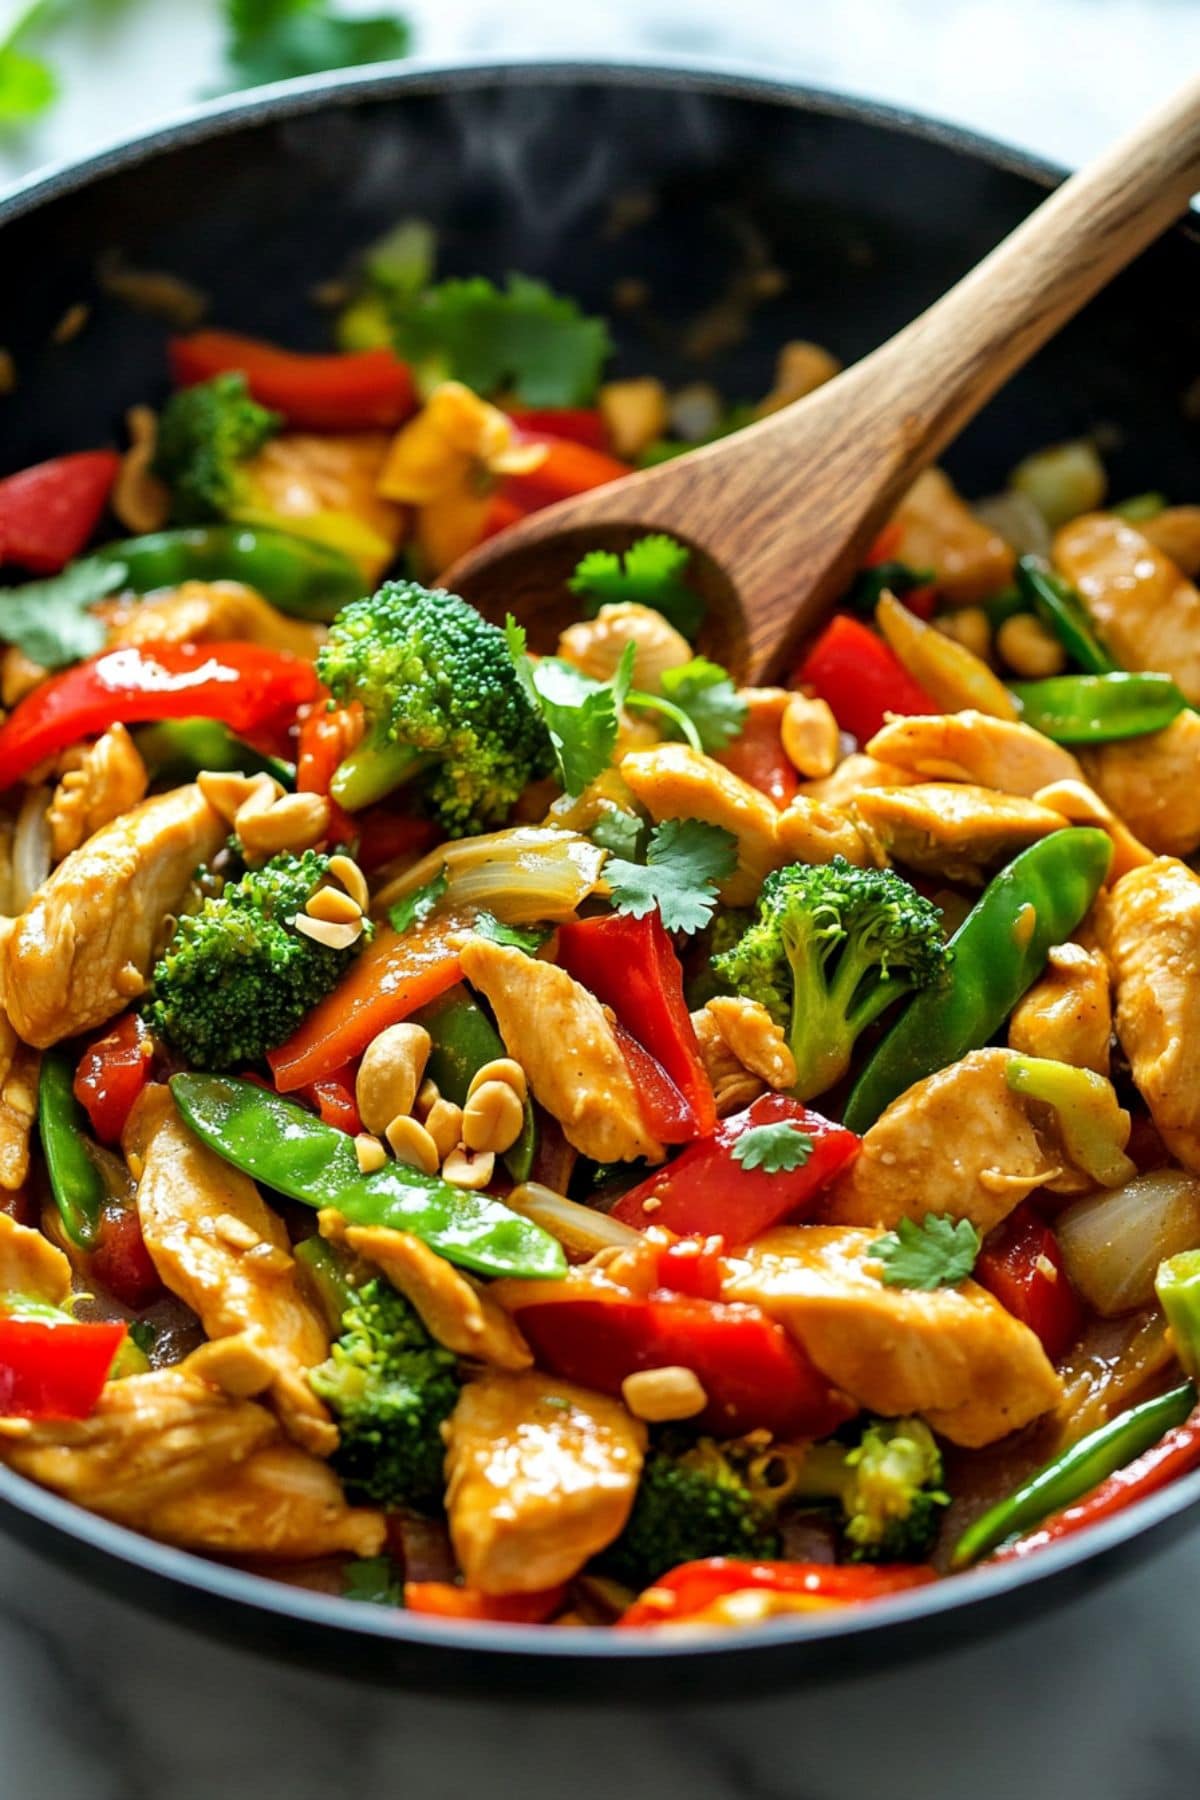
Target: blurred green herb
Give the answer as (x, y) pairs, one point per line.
(271, 40)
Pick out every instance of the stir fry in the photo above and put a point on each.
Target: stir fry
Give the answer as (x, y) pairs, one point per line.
(535, 1130)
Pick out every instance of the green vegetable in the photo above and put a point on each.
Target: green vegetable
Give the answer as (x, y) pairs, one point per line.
(828, 952)
(391, 1388)
(685, 859)
(206, 435)
(699, 703)
(462, 1040)
(374, 1581)
(888, 1486)
(411, 909)
(177, 749)
(1098, 709)
(75, 1179)
(444, 707)
(622, 832)
(28, 85)
(998, 951)
(236, 977)
(893, 577)
(650, 573)
(939, 1252)
(143, 1335)
(328, 1271)
(694, 1499)
(1139, 507)
(300, 577)
(522, 338)
(1059, 608)
(273, 40)
(1076, 1472)
(280, 1144)
(1178, 1287)
(530, 939)
(775, 1149)
(581, 716)
(1093, 1127)
(52, 621)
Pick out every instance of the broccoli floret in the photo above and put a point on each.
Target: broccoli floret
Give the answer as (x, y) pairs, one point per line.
(694, 1499)
(444, 705)
(888, 1486)
(829, 949)
(236, 978)
(206, 435)
(390, 1387)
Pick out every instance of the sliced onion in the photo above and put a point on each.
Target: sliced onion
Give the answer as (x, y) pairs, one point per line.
(578, 1228)
(527, 874)
(1017, 520)
(30, 848)
(1113, 1242)
(1063, 480)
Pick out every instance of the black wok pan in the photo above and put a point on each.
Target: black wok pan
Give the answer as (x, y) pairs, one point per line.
(589, 177)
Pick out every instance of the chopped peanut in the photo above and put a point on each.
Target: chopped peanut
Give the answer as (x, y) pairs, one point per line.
(492, 1117)
(370, 1152)
(412, 1144)
(390, 1074)
(502, 1068)
(658, 1395)
(1029, 649)
(467, 1169)
(810, 735)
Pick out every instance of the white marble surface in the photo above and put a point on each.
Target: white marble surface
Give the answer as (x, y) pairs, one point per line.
(98, 1702)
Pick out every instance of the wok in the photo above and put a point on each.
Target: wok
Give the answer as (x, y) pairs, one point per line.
(590, 177)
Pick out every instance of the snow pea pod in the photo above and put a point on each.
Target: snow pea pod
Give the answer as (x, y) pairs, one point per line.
(1059, 608)
(999, 951)
(177, 749)
(277, 1142)
(1098, 709)
(1077, 1471)
(462, 1040)
(296, 574)
(75, 1180)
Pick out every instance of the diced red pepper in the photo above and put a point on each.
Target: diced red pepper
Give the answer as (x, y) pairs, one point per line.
(348, 391)
(694, 1587)
(860, 678)
(122, 1263)
(447, 1600)
(665, 1112)
(757, 755)
(54, 1371)
(693, 1265)
(1022, 1265)
(334, 1099)
(48, 512)
(581, 424)
(112, 1073)
(885, 546)
(503, 512)
(705, 1189)
(630, 965)
(568, 468)
(240, 684)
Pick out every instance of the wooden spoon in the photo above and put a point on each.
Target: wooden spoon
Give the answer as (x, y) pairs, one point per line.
(780, 514)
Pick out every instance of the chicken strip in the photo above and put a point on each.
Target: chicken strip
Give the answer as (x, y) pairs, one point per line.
(958, 1142)
(974, 747)
(561, 1036)
(952, 829)
(30, 1264)
(541, 1475)
(852, 775)
(209, 612)
(279, 1503)
(955, 1356)
(81, 950)
(18, 1105)
(219, 1247)
(734, 1086)
(1153, 782)
(303, 480)
(1146, 612)
(98, 782)
(673, 781)
(1067, 1013)
(1080, 804)
(939, 531)
(595, 646)
(1149, 928)
(755, 1039)
(810, 831)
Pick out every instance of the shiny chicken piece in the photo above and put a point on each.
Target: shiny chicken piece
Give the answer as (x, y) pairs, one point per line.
(1149, 928)
(83, 947)
(939, 531)
(1151, 782)
(811, 831)
(973, 747)
(30, 1264)
(18, 1106)
(279, 1504)
(219, 1247)
(754, 1038)
(1146, 612)
(958, 1142)
(210, 612)
(1176, 532)
(852, 775)
(561, 1036)
(1066, 1015)
(326, 484)
(595, 646)
(734, 1086)
(98, 783)
(673, 781)
(541, 1476)
(953, 829)
(954, 1356)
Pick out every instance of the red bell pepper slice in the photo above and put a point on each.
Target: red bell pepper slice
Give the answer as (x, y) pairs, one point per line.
(860, 678)
(568, 468)
(447, 1600)
(1175, 1454)
(121, 1262)
(503, 512)
(48, 512)
(757, 755)
(705, 1189)
(52, 1370)
(112, 1073)
(664, 1110)
(631, 966)
(693, 1265)
(885, 546)
(694, 1587)
(242, 685)
(384, 834)
(344, 391)
(1022, 1265)
(581, 424)
(334, 1099)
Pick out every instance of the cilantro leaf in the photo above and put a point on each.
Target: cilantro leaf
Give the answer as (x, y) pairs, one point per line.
(372, 1579)
(939, 1252)
(684, 861)
(271, 40)
(582, 716)
(143, 1334)
(521, 337)
(650, 572)
(27, 85)
(705, 692)
(52, 621)
(487, 925)
(619, 831)
(776, 1149)
(412, 908)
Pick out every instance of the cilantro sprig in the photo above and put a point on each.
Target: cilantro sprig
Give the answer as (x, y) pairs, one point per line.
(650, 572)
(272, 40)
(412, 909)
(699, 703)
(939, 1252)
(522, 338)
(685, 858)
(529, 938)
(373, 1580)
(582, 716)
(775, 1149)
(52, 620)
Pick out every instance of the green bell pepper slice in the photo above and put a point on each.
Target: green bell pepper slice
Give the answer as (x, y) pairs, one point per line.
(301, 577)
(1098, 709)
(280, 1144)
(999, 951)
(1076, 1472)
(177, 749)
(75, 1179)
(462, 1040)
